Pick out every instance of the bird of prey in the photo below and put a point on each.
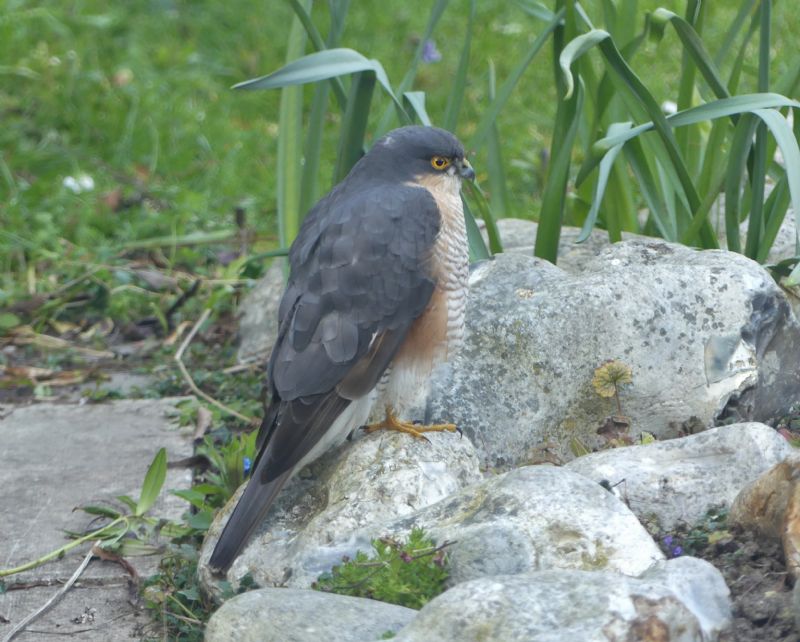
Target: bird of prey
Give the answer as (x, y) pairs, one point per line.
(376, 297)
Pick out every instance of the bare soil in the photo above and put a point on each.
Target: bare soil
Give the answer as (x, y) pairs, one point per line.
(761, 590)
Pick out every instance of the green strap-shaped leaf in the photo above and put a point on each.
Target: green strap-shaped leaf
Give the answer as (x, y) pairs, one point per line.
(323, 65)
(709, 111)
(787, 141)
(536, 9)
(493, 110)
(495, 165)
(475, 197)
(354, 124)
(693, 45)
(745, 8)
(602, 180)
(337, 22)
(636, 89)
(310, 187)
(290, 144)
(774, 213)
(153, 481)
(477, 248)
(554, 195)
(408, 80)
(414, 103)
(456, 96)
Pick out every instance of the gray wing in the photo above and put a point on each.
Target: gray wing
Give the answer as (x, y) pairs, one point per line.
(360, 265)
(360, 276)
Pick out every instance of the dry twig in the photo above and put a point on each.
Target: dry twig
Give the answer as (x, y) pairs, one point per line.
(54, 599)
(188, 378)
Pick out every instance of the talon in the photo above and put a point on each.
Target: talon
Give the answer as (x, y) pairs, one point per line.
(391, 422)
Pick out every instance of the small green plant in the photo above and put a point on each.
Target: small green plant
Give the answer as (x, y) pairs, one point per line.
(230, 466)
(409, 574)
(175, 598)
(710, 530)
(607, 381)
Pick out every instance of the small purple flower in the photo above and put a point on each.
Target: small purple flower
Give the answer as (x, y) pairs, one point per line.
(405, 557)
(677, 551)
(667, 540)
(247, 464)
(430, 53)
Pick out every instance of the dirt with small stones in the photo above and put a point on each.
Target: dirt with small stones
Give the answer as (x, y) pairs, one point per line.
(761, 590)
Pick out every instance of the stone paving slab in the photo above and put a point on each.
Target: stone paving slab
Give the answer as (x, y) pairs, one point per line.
(54, 457)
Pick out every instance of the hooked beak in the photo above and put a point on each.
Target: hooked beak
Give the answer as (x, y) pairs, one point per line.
(465, 170)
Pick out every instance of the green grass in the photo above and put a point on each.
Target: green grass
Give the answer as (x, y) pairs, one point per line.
(136, 95)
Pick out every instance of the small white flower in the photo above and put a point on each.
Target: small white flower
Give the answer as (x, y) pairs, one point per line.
(669, 107)
(83, 183)
(86, 182)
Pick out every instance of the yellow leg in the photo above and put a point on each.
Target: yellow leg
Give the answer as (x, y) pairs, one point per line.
(391, 422)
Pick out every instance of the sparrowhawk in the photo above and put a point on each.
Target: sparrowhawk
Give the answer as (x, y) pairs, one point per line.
(376, 297)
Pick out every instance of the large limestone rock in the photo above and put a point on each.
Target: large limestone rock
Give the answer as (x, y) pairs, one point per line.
(294, 615)
(518, 236)
(678, 481)
(533, 518)
(683, 600)
(337, 504)
(709, 336)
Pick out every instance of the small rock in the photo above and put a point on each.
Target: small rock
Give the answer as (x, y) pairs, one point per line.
(679, 480)
(682, 600)
(761, 504)
(295, 615)
(770, 506)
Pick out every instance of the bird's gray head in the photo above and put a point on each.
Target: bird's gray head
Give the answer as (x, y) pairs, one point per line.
(413, 153)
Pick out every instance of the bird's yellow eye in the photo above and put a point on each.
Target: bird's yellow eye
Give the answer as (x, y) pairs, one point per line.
(440, 162)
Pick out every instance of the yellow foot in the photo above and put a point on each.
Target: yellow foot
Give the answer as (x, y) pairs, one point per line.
(391, 422)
